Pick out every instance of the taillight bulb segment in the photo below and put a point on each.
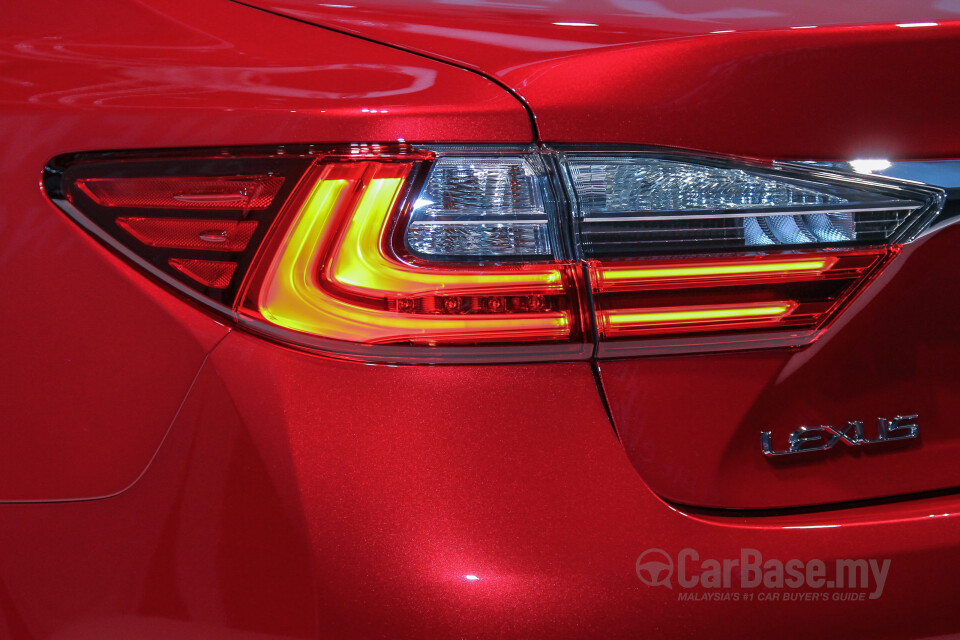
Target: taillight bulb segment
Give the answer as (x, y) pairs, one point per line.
(422, 254)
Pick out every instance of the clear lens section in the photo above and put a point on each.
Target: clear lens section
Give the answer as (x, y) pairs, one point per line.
(653, 184)
(799, 229)
(481, 207)
(641, 204)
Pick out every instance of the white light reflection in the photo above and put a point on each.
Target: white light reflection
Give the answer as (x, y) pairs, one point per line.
(869, 165)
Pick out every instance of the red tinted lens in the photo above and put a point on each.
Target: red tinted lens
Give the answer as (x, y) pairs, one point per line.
(313, 247)
(180, 233)
(196, 219)
(233, 192)
(711, 300)
(210, 273)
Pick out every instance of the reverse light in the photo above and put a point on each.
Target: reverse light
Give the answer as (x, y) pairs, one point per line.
(496, 206)
(645, 204)
(424, 254)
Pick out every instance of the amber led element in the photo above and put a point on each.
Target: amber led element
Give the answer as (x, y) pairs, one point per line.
(774, 297)
(708, 271)
(336, 276)
(481, 253)
(692, 315)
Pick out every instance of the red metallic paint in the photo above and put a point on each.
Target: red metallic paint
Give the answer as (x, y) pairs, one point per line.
(740, 80)
(500, 37)
(297, 496)
(778, 95)
(90, 75)
(691, 424)
(95, 361)
(282, 507)
(96, 358)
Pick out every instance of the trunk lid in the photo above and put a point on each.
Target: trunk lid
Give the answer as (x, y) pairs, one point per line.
(767, 79)
(815, 82)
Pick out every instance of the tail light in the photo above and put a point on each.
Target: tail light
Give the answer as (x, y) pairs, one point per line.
(196, 220)
(430, 254)
(690, 253)
(343, 270)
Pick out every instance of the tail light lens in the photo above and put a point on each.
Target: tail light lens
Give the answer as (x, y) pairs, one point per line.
(689, 253)
(341, 272)
(483, 206)
(187, 192)
(744, 301)
(656, 205)
(195, 219)
(427, 254)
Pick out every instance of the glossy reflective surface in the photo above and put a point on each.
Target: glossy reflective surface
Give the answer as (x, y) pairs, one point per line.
(500, 36)
(788, 80)
(209, 72)
(264, 493)
(96, 359)
(282, 506)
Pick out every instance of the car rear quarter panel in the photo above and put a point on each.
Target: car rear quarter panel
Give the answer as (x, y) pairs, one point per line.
(774, 79)
(299, 496)
(282, 507)
(691, 424)
(97, 359)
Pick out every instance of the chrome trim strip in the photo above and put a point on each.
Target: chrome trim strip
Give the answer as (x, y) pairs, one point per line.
(758, 213)
(430, 223)
(935, 173)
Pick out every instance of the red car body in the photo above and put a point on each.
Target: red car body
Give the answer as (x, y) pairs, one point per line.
(165, 473)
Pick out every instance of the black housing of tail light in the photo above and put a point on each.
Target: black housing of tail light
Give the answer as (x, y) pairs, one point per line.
(492, 254)
(230, 195)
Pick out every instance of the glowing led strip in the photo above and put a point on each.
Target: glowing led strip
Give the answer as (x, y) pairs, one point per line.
(739, 269)
(292, 296)
(772, 311)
